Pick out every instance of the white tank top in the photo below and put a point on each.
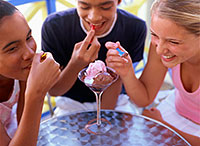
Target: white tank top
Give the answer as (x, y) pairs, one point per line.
(8, 111)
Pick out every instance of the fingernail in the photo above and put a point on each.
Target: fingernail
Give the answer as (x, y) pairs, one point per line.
(126, 60)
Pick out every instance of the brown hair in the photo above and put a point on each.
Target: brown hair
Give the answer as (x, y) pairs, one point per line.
(185, 13)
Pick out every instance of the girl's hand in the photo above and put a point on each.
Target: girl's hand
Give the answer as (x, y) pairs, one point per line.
(85, 51)
(43, 74)
(121, 64)
(153, 113)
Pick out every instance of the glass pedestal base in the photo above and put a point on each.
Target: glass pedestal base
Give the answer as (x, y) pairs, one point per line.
(94, 128)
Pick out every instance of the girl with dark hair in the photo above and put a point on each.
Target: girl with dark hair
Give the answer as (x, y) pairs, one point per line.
(24, 79)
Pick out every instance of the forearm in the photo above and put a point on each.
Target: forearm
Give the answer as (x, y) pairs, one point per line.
(66, 80)
(193, 140)
(110, 96)
(27, 132)
(136, 90)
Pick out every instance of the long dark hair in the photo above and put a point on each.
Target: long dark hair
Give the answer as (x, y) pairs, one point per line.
(6, 9)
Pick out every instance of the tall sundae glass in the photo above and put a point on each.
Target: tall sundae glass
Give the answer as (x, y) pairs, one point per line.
(98, 78)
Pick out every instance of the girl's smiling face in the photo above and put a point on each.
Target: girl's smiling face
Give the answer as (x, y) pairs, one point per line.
(174, 43)
(17, 47)
(100, 13)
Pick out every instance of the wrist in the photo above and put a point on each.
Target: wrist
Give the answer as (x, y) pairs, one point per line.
(34, 96)
(74, 67)
(129, 75)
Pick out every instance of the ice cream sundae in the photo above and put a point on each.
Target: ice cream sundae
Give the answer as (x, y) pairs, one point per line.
(98, 77)
(97, 74)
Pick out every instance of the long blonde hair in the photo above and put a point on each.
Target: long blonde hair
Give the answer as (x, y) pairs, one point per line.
(185, 13)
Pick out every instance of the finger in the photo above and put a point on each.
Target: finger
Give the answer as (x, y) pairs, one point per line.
(145, 112)
(37, 57)
(111, 45)
(49, 55)
(112, 52)
(121, 50)
(115, 53)
(78, 45)
(114, 58)
(117, 64)
(87, 40)
(93, 50)
(46, 56)
(152, 109)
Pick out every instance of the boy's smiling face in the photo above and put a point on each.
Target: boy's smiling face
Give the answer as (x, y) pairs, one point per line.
(100, 13)
(17, 47)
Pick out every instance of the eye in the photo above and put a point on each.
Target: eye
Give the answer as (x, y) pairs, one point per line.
(11, 49)
(85, 8)
(106, 7)
(153, 34)
(29, 37)
(174, 42)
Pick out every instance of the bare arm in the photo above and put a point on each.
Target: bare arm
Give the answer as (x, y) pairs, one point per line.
(21, 100)
(82, 55)
(193, 140)
(28, 128)
(155, 114)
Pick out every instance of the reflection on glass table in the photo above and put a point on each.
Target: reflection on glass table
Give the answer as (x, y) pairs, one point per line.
(126, 130)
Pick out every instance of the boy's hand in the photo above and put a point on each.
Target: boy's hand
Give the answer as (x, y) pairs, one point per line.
(85, 51)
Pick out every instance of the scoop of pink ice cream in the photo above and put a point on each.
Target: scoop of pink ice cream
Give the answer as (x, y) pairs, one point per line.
(94, 68)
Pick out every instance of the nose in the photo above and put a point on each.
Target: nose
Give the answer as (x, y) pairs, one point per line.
(28, 53)
(160, 47)
(94, 15)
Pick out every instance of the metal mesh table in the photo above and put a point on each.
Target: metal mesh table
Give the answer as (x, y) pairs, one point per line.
(127, 130)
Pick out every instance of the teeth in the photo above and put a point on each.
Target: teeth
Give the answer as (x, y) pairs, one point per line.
(167, 57)
(96, 24)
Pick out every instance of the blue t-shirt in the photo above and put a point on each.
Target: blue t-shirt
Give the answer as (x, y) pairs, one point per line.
(62, 30)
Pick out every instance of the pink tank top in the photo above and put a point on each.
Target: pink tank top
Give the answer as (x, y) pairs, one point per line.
(187, 104)
(8, 113)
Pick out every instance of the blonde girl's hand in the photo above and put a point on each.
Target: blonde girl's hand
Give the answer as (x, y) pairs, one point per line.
(153, 113)
(43, 74)
(121, 64)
